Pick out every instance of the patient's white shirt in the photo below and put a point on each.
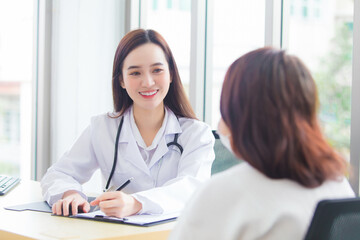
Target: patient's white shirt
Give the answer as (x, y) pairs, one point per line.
(242, 203)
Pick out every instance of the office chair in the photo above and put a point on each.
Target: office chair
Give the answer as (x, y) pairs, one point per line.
(336, 219)
(224, 159)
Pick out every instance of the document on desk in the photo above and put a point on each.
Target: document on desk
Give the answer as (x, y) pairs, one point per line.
(139, 220)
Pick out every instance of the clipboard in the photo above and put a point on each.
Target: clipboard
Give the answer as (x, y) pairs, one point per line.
(42, 206)
(34, 206)
(143, 220)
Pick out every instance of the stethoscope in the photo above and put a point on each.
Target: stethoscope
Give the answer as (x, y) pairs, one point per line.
(174, 142)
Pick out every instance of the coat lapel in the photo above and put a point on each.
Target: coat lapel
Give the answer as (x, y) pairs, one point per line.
(132, 153)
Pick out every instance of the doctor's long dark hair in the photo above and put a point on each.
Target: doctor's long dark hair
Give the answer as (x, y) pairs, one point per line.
(269, 102)
(175, 99)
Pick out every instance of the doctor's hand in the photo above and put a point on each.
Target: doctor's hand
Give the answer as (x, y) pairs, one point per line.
(71, 201)
(117, 204)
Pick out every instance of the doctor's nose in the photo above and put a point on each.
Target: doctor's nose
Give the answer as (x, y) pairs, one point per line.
(147, 81)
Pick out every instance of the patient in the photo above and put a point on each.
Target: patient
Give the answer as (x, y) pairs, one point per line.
(269, 119)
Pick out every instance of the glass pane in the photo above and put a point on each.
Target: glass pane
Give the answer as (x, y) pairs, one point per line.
(171, 18)
(322, 37)
(236, 30)
(85, 37)
(16, 46)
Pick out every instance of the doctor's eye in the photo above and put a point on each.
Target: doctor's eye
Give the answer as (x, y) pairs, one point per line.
(134, 73)
(158, 70)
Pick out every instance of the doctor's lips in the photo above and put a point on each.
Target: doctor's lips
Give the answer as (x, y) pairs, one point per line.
(149, 94)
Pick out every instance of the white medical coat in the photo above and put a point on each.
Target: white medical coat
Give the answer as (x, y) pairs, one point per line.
(162, 186)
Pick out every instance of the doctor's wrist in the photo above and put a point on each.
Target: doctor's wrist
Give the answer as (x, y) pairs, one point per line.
(137, 206)
(71, 193)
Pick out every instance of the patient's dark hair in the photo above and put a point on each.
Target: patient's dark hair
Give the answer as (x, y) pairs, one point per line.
(269, 102)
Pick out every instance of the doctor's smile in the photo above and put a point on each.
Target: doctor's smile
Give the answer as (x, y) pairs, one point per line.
(148, 94)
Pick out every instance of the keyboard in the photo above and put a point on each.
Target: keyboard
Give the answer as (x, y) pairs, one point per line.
(7, 183)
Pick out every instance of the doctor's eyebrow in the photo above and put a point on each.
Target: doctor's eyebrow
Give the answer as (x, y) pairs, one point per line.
(152, 65)
(156, 64)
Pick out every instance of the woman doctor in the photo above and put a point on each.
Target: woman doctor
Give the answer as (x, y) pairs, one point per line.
(160, 143)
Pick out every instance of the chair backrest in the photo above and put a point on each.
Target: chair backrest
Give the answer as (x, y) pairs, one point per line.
(224, 159)
(336, 219)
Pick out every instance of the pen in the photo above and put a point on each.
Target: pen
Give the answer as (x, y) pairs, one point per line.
(125, 184)
(119, 189)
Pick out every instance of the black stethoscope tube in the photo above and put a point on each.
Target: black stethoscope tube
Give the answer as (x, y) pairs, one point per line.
(116, 152)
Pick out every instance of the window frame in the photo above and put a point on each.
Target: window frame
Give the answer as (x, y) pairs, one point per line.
(355, 98)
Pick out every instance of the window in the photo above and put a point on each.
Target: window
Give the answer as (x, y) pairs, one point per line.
(16, 54)
(326, 46)
(85, 35)
(236, 30)
(172, 19)
(305, 11)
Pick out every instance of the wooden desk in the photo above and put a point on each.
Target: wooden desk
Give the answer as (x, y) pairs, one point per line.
(38, 225)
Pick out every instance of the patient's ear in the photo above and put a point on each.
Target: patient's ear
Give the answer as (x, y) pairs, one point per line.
(223, 129)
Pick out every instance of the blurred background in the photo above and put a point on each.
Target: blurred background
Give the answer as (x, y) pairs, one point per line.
(56, 62)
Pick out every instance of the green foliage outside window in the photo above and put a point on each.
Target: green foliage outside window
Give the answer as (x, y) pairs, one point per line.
(9, 168)
(334, 88)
